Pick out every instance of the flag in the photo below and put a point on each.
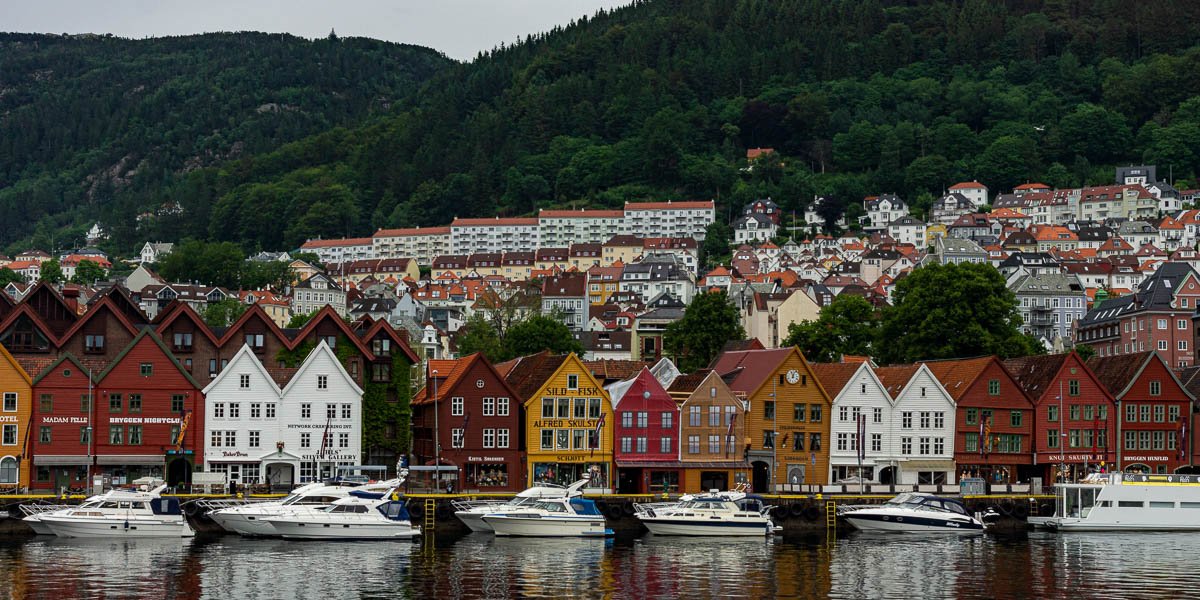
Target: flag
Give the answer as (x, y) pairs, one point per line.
(987, 434)
(187, 418)
(599, 428)
(463, 440)
(729, 433)
(325, 439)
(1182, 439)
(982, 436)
(862, 438)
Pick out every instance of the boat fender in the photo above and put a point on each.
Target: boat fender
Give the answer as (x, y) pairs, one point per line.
(443, 511)
(1021, 510)
(811, 513)
(191, 509)
(1046, 510)
(416, 509)
(629, 509)
(796, 510)
(1006, 507)
(614, 511)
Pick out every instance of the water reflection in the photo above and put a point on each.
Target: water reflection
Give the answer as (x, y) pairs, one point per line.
(1042, 565)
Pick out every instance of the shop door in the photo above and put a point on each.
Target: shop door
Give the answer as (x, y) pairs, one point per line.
(177, 472)
(762, 476)
(627, 481)
(63, 477)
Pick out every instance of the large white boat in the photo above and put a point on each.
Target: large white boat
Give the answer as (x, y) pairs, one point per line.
(731, 513)
(121, 513)
(250, 519)
(33, 514)
(917, 513)
(361, 516)
(552, 517)
(1129, 502)
(471, 512)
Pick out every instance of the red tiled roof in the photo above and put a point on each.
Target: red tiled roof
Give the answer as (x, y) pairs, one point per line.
(509, 221)
(413, 231)
(834, 376)
(753, 367)
(581, 213)
(334, 243)
(956, 375)
(668, 205)
(967, 185)
(895, 377)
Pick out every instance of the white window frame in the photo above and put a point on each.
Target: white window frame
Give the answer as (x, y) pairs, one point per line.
(456, 406)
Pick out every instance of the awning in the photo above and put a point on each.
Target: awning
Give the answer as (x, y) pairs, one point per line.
(927, 465)
(678, 464)
(60, 459)
(131, 459)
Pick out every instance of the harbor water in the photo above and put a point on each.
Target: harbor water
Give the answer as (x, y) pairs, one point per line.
(1037, 564)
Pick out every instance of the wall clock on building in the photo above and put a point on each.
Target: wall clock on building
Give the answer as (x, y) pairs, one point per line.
(793, 376)
(479, 384)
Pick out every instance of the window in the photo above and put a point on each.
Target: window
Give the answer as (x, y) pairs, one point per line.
(1131, 413)
(547, 408)
(1162, 344)
(1089, 412)
(906, 444)
(183, 341)
(643, 419)
(93, 343)
(729, 412)
(46, 403)
(1052, 438)
(572, 382)
(381, 347)
(502, 407)
(489, 438)
(381, 372)
(939, 445)
(693, 444)
(1173, 413)
(502, 438)
(627, 419)
(244, 381)
(924, 446)
(877, 415)
(217, 436)
(255, 438)
(1144, 440)
(489, 407)
(693, 417)
(714, 444)
(270, 410)
(1181, 324)
(876, 442)
(456, 406)
(626, 444)
(768, 439)
(146, 369)
(322, 382)
(254, 340)
(906, 419)
(1145, 410)
(1183, 344)
(593, 408)
(1159, 440)
(135, 435)
(814, 441)
(1074, 410)
(843, 413)
(939, 420)
(255, 410)
(797, 413)
(769, 409)
(116, 435)
(665, 420)
(714, 416)
(114, 403)
(1159, 413)
(43, 435)
(1162, 323)
(1073, 387)
(85, 403)
(564, 408)
(212, 366)
(841, 441)
(973, 416)
(925, 419)
(177, 403)
(993, 387)
(814, 416)
(1014, 418)
(85, 435)
(305, 410)
(1155, 388)
(135, 403)
(547, 439)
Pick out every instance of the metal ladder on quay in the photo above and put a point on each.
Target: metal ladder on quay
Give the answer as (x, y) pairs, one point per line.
(430, 517)
(831, 515)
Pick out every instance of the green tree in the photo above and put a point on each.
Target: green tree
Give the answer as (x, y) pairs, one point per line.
(300, 320)
(479, 335)
(52, 271)
(848, 325)
(1085, 351)
(8, 276)
(310, 258)
(540, 332)
(715, 248)
(1008, 162)
(87, 272)
(708, 323)
(951, 311)
(223, 313)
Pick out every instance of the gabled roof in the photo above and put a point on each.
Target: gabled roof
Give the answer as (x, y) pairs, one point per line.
(527, 374)
(24, 309)
(256, 310)
(183, 311)
(161, 346)
(322, 349)
(66, 357)
(897, 377)
(835, 376)
(1117, 373)
(750, 369)
(325, 314)
(1035, 373)
(382, 325)
(113, 309)
(957, 375)
(243, 353)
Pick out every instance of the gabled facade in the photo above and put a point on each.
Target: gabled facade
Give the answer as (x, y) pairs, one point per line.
(857, 393)
(1152, 408)
(646, 438)
(243, 425)
(923, 413)
(323, 403)
(16, 392)
(63, 455)
(712, 435)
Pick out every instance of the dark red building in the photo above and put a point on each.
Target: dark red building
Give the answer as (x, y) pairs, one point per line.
(1152, 409)
(479, 423)
(994, 420)
(1075, 416)
(646, 437)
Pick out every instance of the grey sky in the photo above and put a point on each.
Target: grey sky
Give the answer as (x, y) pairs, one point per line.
(460, 28)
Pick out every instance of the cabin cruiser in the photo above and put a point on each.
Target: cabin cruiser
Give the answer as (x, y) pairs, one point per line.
(731, 513)
(471, 512)
(552, 517)
(250, 519)
(914, 512)
(121, 513)
(362, 515)
(34, 513)
(1129, 502)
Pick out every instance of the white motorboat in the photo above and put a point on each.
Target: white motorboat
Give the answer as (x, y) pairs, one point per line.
(361, 516)
(551, 517)
(731, 513)
(913, 512)
(34, 512)
(250, 519)
(121, 513)
(471, 512)
(1129, 502)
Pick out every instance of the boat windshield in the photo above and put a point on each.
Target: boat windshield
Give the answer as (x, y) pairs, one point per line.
(550, 507)
(348, 508)
(905, 499)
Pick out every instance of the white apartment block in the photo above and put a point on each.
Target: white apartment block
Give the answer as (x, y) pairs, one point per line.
(472, 236)
(561, 228)
(670, 219)
(422, 244)
(340, 251)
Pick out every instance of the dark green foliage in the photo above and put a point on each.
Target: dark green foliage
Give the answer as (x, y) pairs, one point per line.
(479, 335)
(222, 264)
(8, 276)
(952, 311)
(848, 325)
(1085, 351)
(715, 249)
(539, 332)
(656, 100)
(223, 313)
(88, 272)
(52, 271)
(300, 320)
(708, 322)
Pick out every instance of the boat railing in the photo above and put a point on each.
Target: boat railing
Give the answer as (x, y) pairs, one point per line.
(37, 509)
(210, 504)
(845, 508)
(472, 504)
(648, 508)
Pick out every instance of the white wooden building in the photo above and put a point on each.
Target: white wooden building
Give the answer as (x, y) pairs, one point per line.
(921, 432)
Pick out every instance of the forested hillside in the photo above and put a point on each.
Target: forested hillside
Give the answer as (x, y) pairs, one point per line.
(661, 100)
(95, 127)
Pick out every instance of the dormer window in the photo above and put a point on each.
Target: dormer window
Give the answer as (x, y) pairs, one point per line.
(93, 343)
(255, 341)
(183, 342)
(381, 347)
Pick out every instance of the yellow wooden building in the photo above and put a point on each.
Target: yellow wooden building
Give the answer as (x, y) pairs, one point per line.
(16, 390)
(568, 420)
(788, 417)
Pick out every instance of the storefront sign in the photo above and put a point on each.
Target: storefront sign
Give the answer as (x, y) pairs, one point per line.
(570, 458)
(8, 419)
(1145, 458)
(318, 426)
(1049, 457)
(485, 459)
(330, 456)
(144, 420)
(228, 453)
(79, 420)
(565, 423)
(588, 391)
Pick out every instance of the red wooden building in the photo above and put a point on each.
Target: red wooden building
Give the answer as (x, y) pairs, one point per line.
(646, 437)
(1152, 410)
(479, 424)
(1074, 415)
(993, 422)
